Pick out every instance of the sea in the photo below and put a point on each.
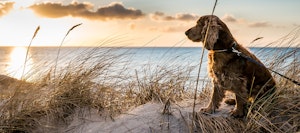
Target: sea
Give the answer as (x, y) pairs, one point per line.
(19, 62)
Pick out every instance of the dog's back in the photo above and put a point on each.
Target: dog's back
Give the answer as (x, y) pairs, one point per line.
(260, 80)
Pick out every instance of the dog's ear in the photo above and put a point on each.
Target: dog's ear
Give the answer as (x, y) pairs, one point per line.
(213, 32)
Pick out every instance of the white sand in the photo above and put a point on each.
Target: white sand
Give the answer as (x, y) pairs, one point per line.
(143, 119)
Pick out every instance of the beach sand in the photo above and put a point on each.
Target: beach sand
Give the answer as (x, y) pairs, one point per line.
(144, 119)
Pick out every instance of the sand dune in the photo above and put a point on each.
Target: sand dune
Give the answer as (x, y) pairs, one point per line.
(143, 119)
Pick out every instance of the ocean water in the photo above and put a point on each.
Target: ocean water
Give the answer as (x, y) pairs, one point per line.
(129, 60)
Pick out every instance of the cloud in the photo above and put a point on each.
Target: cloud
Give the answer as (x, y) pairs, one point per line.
(160, 16)
(85, 10)
(232, 19)
(259, 24)
(5, 7)
(229, 18)
(296, 25)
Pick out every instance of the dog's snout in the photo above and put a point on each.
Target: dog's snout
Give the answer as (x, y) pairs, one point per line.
(187, 32)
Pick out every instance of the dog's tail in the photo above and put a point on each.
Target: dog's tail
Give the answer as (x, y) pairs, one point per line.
(230, 101)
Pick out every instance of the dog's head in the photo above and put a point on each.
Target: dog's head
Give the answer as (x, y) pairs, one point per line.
(217, 31)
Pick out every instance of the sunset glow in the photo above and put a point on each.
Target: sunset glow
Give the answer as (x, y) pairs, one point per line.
(17, 61)
(139, 23)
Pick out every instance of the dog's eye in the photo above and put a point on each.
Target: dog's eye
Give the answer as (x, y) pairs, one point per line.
(199, 22)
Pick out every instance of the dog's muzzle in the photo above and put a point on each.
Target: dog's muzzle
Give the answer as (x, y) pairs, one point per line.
(187, 32)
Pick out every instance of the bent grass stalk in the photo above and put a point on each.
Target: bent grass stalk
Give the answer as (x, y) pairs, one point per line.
(27, 52)
(59, 48)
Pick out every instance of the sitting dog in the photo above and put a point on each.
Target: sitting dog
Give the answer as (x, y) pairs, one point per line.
(228, 69)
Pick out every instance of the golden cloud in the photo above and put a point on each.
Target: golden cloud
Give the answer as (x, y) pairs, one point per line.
(259, 24)
(160, 16)
(85, 10)
(231, 19)
(5, 7)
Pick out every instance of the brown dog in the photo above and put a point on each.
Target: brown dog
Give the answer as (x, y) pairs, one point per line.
(230, 71)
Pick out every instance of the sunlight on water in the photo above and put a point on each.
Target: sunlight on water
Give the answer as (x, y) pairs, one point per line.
(17, 61)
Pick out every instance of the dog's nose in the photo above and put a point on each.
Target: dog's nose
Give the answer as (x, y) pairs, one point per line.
(187, 32)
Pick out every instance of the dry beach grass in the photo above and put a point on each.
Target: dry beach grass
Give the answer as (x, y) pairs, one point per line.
(52, 104)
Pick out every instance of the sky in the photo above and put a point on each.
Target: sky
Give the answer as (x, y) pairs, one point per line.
(153, 23)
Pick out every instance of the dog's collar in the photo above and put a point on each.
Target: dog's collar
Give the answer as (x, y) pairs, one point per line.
(219, 51)
(231, 49)
(234, 49)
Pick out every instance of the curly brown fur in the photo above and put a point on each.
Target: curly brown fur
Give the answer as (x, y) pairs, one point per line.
(230, 72)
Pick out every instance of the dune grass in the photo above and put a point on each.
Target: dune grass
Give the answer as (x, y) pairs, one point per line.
(280, 113)
(95, 81)
(36, 106)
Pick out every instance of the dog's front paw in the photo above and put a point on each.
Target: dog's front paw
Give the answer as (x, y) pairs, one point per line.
(207, 110)
(237, 113)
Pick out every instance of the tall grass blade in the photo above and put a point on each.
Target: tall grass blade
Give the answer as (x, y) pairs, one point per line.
(27, 52)
(201, 61)
(59, 48)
